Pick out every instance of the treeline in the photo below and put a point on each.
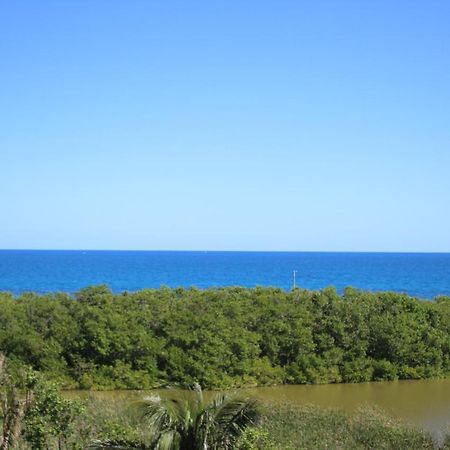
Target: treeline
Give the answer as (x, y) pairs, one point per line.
(225, 337)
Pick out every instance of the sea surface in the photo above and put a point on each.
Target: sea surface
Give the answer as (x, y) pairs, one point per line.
(424, 275)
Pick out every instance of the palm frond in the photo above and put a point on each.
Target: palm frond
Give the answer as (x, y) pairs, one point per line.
(163, 414)
(120, 444)
(177, 411)
(184, 421)
(168, 440)
(230, 416)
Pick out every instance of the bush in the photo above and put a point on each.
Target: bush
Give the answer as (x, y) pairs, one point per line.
(225, 337)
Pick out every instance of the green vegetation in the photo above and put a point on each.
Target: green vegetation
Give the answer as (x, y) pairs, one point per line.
(225, 337)
(34, 415)
(312, 428)
(281, 428)
(186, 422)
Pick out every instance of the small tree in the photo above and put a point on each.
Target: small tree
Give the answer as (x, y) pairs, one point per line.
(50, 417)
(184, 421)
(34, 407)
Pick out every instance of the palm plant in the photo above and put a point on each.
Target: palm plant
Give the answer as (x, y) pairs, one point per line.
(184, 421)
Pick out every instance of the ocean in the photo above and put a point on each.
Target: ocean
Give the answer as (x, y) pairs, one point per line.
(424, 275)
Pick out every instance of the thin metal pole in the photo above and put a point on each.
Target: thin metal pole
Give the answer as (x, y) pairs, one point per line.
(295, 274)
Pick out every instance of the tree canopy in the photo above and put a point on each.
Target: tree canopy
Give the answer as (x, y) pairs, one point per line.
(225, 337)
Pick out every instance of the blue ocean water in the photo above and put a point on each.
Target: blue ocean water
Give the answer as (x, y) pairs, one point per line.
(424, 275)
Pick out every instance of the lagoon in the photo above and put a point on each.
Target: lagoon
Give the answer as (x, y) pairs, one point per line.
(421, 403)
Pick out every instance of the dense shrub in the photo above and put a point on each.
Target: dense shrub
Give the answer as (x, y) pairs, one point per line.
(225, 337)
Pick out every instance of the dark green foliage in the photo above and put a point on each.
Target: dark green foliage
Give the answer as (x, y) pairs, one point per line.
(225, 337)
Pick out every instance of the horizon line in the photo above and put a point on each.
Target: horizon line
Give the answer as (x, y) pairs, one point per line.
(218, 251)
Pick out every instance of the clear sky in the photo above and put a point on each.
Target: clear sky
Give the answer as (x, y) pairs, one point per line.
(227, 125)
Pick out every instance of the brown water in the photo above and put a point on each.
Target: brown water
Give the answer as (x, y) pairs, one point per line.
(423, 403)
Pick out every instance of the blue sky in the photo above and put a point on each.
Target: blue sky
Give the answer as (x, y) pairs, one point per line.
(227, 125)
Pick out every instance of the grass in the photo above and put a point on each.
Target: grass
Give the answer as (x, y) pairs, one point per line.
(283, 427)
(286, 427)
(312, 428)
